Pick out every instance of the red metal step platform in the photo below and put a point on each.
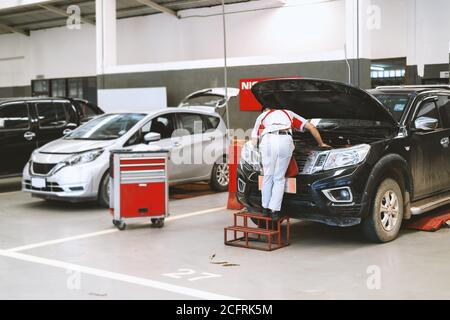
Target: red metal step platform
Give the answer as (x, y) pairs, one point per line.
(268, 236)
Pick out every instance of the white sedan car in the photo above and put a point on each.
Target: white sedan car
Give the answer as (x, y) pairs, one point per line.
(76, 167)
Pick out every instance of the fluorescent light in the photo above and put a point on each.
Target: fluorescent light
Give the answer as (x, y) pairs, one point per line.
(376, 68)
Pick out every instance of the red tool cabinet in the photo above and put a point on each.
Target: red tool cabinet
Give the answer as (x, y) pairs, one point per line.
(138, 186)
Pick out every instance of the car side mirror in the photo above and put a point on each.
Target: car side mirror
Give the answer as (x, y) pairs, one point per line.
(426, 124)
(67, 131)
(152, 136)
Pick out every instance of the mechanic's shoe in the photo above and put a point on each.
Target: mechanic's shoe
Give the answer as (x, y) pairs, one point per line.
(265, 212)
(275, 215)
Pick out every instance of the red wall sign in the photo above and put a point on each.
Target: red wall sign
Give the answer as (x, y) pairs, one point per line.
(247, 101)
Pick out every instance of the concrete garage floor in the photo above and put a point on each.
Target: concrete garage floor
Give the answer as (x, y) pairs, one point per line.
(66, 251)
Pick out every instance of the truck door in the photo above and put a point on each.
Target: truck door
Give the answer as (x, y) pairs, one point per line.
(428, 153)
(444, 111)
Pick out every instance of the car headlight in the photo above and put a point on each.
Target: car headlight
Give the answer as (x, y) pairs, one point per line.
(346, 157)
(250, 154)
(84, 157)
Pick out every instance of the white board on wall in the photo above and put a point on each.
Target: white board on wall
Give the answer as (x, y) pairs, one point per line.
(132, 99)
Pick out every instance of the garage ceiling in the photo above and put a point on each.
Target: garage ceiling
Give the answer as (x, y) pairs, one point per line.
(49, 15)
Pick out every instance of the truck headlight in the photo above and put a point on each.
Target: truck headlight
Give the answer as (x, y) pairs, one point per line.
(346, 157)
(84, 157)
(250, 154)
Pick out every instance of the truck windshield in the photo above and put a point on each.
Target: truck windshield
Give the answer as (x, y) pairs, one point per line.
(395, 103)
(108, 127)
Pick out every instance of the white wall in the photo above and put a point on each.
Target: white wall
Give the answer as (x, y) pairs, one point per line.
(390, 40)
(432, 31)
(53, 53)
(13, 63)
(272, 32)
(417, 29)
(59, 52)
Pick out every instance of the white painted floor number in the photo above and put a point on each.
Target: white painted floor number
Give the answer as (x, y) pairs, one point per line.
(186, 273)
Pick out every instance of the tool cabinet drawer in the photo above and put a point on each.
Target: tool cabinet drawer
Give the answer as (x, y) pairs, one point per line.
(143, 199)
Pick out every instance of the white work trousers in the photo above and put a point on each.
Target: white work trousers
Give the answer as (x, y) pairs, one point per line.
(276, 152)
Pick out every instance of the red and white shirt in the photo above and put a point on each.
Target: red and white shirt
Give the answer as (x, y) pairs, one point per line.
(275, 120)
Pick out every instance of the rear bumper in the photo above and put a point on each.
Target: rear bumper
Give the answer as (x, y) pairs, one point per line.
(309, 202)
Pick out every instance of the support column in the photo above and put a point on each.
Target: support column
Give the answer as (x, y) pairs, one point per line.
(105, 13)
(415, 68)
(357, 42)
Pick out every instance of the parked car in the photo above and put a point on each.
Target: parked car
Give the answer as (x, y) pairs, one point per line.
(390, 158)
(29, 123)
(76, 167)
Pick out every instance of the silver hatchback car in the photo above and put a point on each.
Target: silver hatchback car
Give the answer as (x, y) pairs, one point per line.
(76, 167)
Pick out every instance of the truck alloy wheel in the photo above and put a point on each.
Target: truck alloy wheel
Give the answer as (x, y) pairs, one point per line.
(385, 219)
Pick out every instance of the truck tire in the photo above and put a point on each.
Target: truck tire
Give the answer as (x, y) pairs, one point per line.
(385, 219)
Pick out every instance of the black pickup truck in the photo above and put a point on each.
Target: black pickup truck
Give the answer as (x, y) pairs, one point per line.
(390, 157)
(28, 123)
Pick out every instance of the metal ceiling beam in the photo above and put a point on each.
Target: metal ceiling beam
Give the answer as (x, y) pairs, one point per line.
(64, 13)
(37, 10)
(14, 30)
(158, 7)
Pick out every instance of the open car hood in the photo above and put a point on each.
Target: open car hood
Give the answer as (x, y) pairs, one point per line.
(313, 98)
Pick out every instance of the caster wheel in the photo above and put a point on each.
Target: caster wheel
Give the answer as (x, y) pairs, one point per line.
(119, 224)
(158, 223)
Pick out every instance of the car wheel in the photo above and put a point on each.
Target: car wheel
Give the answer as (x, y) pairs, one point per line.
(384, 222)
(104, 191)
(220, 176)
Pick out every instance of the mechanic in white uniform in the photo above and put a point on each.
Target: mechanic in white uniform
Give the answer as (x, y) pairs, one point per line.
(273, 130)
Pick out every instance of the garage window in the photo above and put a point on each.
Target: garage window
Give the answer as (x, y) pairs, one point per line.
(14, 116)
(51, 115)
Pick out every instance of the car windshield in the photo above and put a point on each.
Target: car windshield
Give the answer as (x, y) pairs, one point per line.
(108, 127)
(395, 103)
(203, 99)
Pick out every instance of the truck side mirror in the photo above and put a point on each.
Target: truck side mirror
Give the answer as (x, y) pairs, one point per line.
(426, 124)
(152, 136)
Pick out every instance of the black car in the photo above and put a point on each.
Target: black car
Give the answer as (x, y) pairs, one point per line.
(390, 156)
(28, 123)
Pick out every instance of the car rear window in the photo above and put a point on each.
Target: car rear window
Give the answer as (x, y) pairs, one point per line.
(212, 122)
(192, 122)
